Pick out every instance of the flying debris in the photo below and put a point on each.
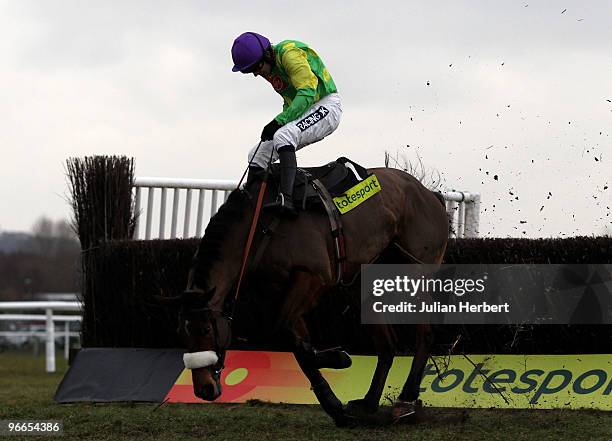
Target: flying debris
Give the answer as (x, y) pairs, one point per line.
(563, 11)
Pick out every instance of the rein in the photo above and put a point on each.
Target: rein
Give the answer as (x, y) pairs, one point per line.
(247, 248)
(254, 222)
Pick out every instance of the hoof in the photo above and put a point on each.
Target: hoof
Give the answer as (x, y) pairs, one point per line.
(360, 408)
(333, 359)
(346, 421)
(406, 410)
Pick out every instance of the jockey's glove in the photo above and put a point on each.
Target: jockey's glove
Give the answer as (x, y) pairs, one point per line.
(269, 130)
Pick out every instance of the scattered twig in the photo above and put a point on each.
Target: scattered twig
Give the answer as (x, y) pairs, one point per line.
(487, 379)
(160, 405)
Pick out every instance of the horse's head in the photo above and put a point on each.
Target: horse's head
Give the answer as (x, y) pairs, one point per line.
(204, 328)
(206, 333)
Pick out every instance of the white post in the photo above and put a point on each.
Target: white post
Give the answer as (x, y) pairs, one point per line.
(461, 219)
(149, 212)
(137, 213)
(213, 203)
(175, 205)
(451, 210)
(162, 214)
(200, 212)
(66, 339)
(187, 214)
(50, 347)
(472, 218)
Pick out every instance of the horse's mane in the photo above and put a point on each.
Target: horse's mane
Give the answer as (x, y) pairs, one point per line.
(216, 233)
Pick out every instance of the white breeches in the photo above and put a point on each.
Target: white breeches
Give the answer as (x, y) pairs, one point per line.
(320, 120)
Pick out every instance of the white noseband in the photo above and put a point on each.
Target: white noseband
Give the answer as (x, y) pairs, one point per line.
(196, 360)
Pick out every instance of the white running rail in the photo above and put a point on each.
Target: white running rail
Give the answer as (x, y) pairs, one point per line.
(49, 317)
(210, 195)
(463, 210)
(463, 207)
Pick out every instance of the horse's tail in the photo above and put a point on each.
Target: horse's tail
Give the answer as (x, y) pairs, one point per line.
(440, 198)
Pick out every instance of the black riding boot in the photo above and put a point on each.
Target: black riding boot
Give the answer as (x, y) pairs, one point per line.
(288, 166)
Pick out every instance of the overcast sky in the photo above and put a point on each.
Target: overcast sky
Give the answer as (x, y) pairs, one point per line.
(476, 89)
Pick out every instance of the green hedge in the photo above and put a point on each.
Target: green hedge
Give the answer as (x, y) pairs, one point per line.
(121, 309)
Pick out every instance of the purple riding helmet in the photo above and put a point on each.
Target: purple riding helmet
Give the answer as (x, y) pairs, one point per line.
(248, 49)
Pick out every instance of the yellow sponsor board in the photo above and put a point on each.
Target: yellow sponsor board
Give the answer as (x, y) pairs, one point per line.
(501, 381)
(512, 381)
(357, 194)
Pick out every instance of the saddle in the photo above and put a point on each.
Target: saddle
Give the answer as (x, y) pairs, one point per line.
(336, 177)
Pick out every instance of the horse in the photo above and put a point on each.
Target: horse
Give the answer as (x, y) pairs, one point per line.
(299, 262)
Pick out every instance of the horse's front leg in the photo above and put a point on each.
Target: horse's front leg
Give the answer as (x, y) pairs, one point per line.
(384, 341)
(300, 299)
(370, 402)
(406, 403)
(325, 395)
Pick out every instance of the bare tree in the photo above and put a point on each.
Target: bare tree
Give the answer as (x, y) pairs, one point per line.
(63, 230)
(66, 239)
(42, 232)
(51, 238)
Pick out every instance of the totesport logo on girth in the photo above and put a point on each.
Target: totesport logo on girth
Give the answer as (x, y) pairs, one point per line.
(357, 194)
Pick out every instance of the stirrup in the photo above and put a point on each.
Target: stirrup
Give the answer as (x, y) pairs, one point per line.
(283, 204)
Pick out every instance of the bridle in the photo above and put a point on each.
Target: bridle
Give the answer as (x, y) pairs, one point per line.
(212, 316)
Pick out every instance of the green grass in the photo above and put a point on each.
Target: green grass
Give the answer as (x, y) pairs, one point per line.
(26, 392)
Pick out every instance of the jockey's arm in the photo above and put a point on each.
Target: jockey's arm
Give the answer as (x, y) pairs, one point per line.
(305, 82)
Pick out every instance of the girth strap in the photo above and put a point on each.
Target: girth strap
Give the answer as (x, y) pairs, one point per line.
(336, 226)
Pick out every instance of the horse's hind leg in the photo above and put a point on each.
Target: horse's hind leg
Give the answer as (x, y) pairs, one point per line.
(410, 392)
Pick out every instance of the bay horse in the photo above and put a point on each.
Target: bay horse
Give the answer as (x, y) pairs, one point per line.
(299, 261)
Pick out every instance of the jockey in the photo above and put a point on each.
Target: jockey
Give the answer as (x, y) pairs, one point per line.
(311, 108)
